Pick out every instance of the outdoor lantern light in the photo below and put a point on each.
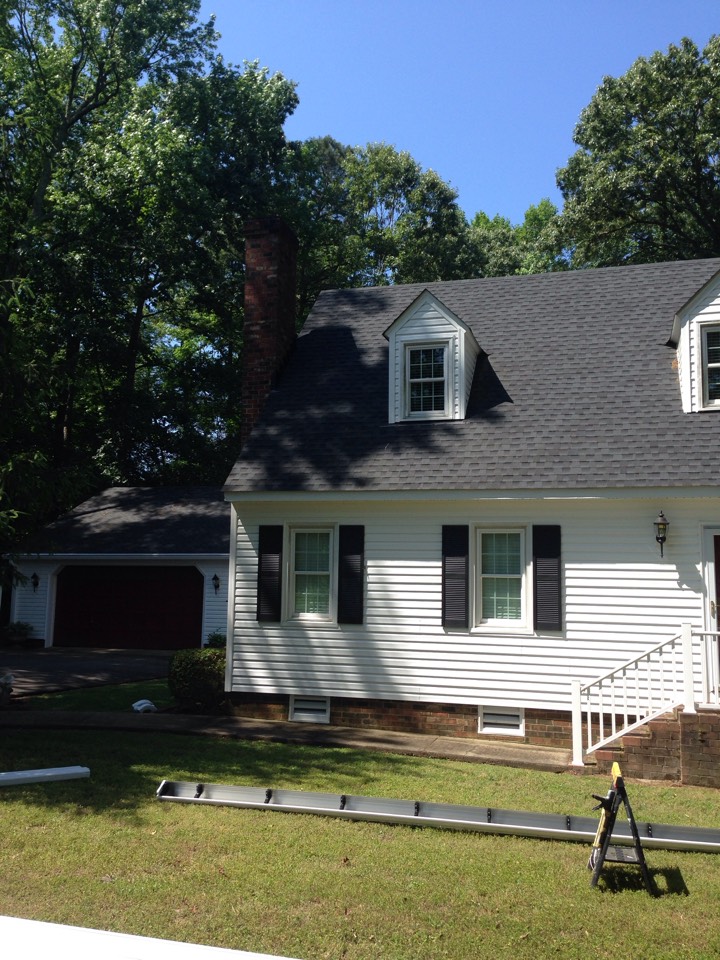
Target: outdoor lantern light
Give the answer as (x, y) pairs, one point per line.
(35, 581)
(661, 528)
(216, 582)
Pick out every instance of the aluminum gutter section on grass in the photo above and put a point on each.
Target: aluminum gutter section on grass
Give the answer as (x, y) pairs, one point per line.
(546, 826)
(49, 775)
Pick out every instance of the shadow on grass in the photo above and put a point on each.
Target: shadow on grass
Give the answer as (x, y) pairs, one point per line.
(126, 769)
(669, 881)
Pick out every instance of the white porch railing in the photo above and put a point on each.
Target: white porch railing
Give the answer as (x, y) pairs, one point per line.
(658, 681)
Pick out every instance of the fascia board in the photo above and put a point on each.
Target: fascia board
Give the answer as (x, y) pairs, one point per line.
(435, 496)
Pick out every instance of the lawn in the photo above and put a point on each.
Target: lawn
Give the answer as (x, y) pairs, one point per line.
(103, 852)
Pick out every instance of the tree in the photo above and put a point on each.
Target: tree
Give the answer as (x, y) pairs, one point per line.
(131, 157)
(368, 216)
(65, 65)
(644, 185)
(410, 227)
(530, 247)
(314, 200)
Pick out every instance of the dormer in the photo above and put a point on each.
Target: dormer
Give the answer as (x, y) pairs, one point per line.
(696, 335)
(432, 361)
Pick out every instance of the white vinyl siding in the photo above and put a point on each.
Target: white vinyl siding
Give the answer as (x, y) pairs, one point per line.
(620, 598)
(31, 605)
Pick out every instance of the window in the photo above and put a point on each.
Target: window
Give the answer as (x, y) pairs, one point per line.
(711, 365)
(501, 570)
(506, 576)
(324, 578)
(311, 576)
(432, 355)
(426, 381)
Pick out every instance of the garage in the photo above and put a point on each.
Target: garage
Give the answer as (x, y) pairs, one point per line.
(129, 607)
(130, 568)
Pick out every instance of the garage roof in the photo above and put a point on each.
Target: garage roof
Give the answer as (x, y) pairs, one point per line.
(141, 520)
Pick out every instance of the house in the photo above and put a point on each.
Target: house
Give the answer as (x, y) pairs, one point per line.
(444, 518)
(136, 567)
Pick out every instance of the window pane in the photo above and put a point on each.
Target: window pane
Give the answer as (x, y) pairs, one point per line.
(713, 346)
(312, 552)
(427, 380)
(501, 572)
(312, 572)
(713, 378)
(312, 593)
(501, 553)
(427, 396)
(501, 598)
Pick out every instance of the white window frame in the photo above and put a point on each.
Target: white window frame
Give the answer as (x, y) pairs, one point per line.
(291, 613)
(705, 365)
(500, 624)
(446, 346)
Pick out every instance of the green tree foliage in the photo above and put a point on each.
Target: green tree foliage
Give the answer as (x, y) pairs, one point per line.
(534, 246)
(368, 216)
(644, 185)
(131, 157)
(408, 221)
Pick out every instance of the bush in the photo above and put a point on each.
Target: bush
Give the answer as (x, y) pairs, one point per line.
(197, 680)
(18, 632)
(216, 640)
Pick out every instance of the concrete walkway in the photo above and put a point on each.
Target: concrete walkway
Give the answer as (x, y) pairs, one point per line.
(417, 745)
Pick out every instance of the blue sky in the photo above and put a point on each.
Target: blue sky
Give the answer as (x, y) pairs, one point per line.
(485, 93)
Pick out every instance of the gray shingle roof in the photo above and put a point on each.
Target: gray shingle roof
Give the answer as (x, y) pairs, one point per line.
(579, 390)
(141, 520)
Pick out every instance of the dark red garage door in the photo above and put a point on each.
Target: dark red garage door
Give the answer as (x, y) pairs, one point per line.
(151, 608)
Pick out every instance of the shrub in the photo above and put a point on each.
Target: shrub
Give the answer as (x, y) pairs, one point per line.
(216, 640)
(18, 632)
(197, 679)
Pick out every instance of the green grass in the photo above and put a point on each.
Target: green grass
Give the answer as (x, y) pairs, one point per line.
(108, 698)
(105, 853)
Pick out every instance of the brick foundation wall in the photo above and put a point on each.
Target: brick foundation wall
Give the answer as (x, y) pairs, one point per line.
(680, 747)
(700, 748)
(544, 728)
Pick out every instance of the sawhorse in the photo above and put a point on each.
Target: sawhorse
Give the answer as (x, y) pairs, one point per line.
(601, 849)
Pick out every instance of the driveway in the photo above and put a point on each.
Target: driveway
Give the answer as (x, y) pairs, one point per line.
(48, 669)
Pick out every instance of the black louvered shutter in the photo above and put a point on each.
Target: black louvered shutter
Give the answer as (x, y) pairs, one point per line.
(455, 582)
(351, 580)
(547, 578)
(269, 582)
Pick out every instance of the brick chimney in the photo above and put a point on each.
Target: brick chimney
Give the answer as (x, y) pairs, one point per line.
(269, 332)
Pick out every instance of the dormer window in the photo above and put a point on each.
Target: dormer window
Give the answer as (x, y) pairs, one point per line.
(432, 362)
(427, 380)
(711, 365)
(696, 337)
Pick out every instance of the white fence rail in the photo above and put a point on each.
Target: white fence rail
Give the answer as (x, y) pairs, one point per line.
(658, 681)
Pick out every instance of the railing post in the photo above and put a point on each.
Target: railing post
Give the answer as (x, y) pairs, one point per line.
(688, 679)
(577, 736)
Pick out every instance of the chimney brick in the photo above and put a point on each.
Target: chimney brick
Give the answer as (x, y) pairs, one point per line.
(269, 331)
